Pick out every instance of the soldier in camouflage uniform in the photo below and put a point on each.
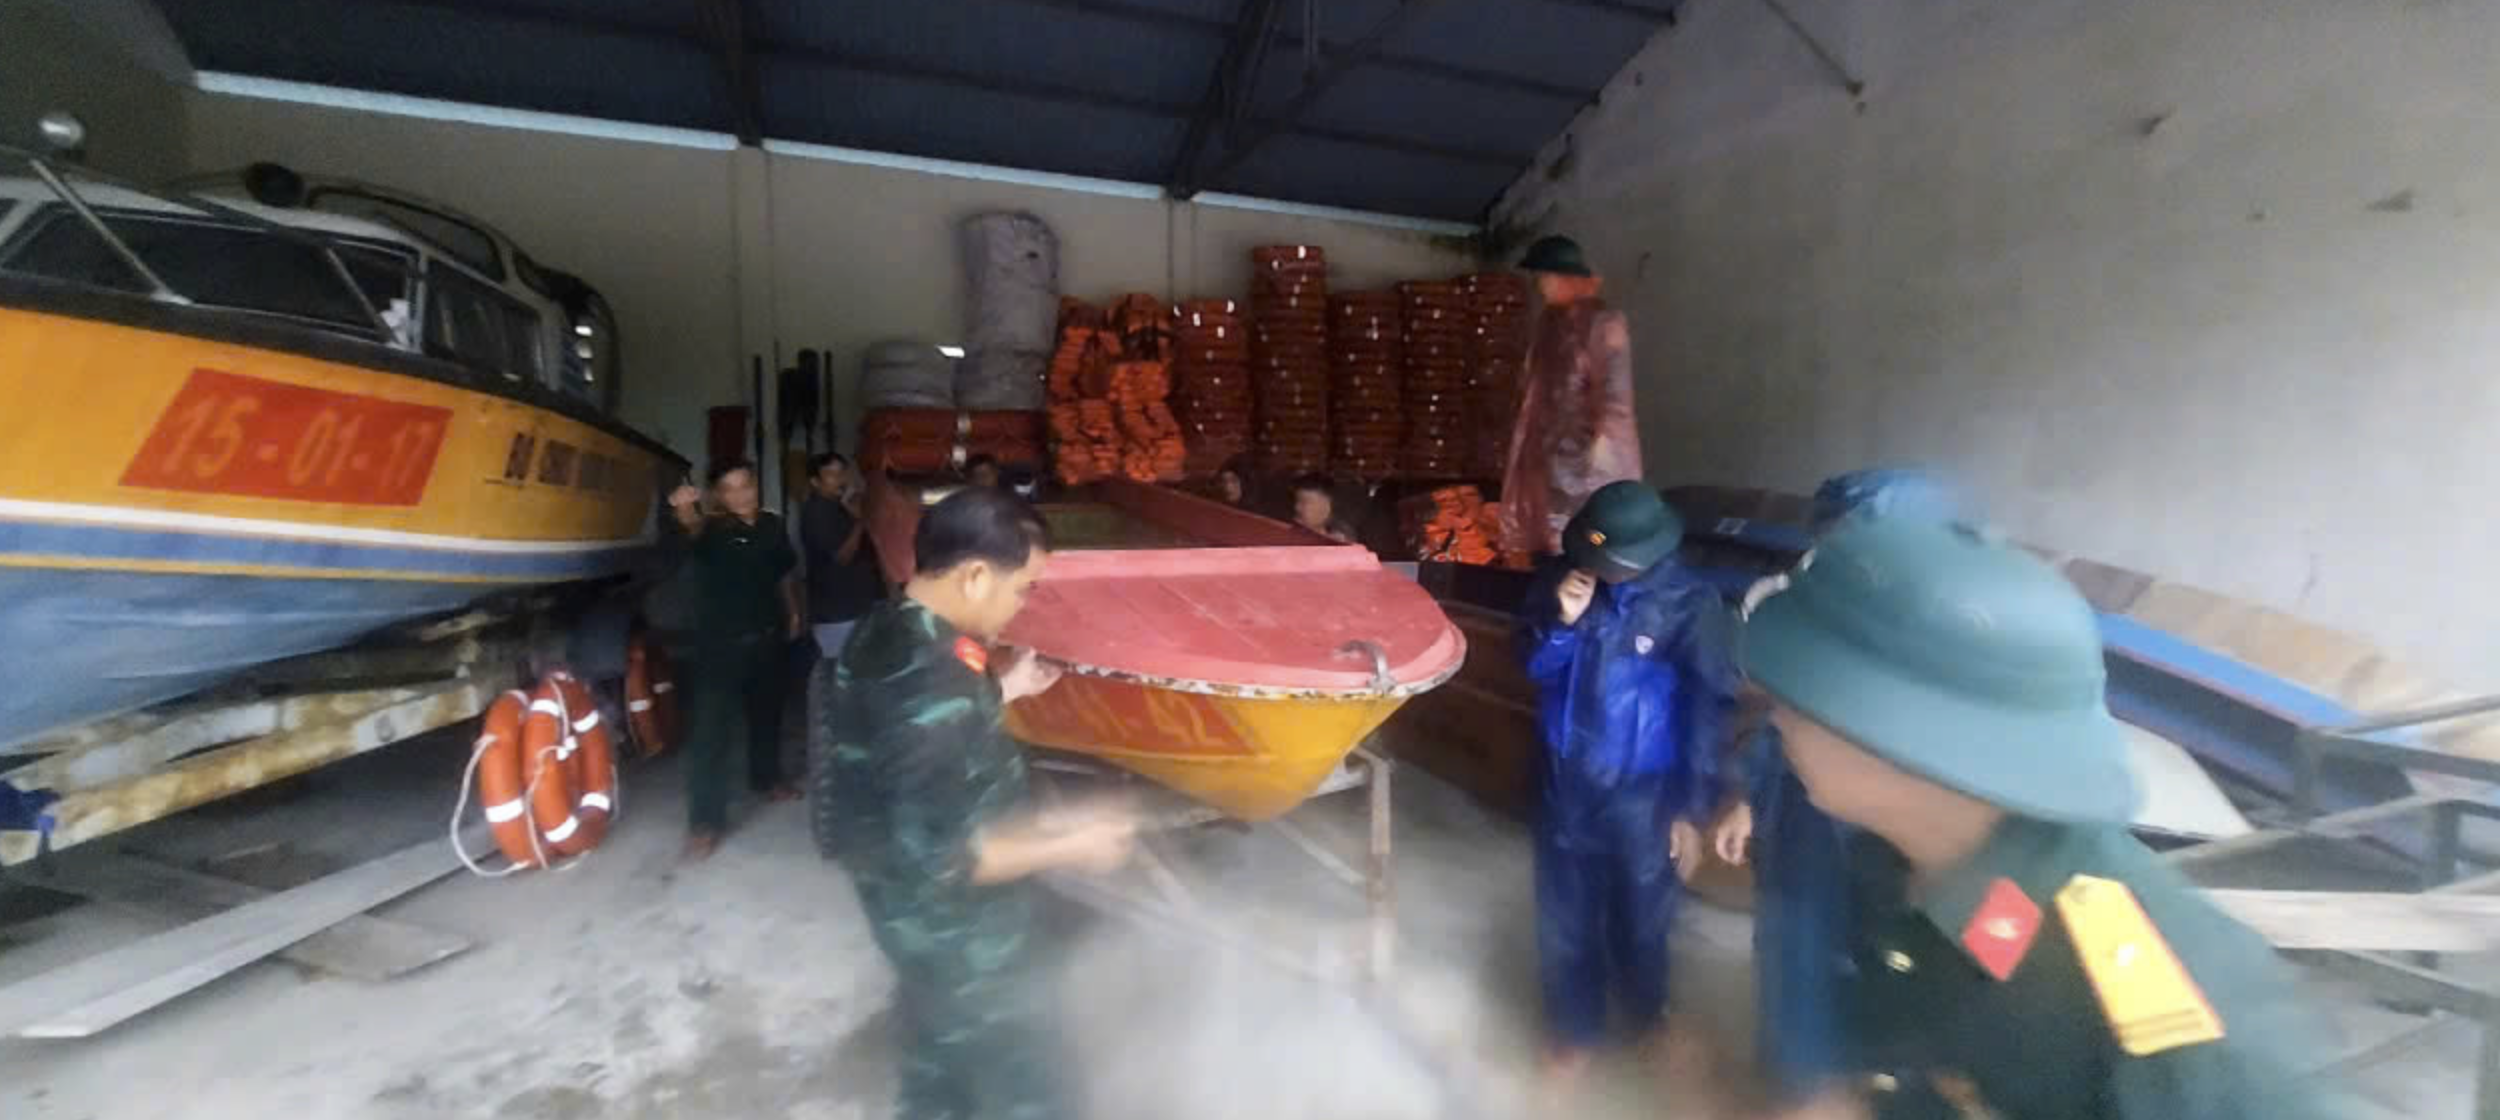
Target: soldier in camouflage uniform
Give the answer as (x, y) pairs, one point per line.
(921, 794)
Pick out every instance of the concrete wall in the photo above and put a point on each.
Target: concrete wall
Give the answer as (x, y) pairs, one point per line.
(112, 64)
(2207, 290)
(710, 256)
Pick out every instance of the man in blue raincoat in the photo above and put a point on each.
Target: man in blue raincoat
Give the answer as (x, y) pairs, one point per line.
(1801, 899)
(1632, 660)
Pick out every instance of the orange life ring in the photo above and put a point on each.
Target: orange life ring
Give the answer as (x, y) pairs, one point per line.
(547, 748)
(500, 780)
(650, 696)
(590, 763)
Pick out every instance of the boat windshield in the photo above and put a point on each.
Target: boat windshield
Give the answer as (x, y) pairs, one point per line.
(211, 262)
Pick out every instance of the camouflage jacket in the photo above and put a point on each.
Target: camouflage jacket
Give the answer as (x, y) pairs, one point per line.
(911, 763)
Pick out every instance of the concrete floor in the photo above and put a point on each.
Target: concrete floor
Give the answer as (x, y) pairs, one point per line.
(633, 987)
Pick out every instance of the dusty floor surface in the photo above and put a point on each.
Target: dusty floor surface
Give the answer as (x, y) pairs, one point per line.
(632, 987)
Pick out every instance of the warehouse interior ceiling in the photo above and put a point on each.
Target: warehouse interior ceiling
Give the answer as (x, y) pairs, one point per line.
(1427, 108)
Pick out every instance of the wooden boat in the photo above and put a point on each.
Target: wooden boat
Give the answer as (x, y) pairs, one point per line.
(272, 417)
(1236, 660)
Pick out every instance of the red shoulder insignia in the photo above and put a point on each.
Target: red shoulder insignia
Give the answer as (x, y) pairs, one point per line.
(972, 655)
(2001, 930)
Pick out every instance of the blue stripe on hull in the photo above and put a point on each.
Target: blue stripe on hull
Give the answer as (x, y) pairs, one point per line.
(76, 646)
(102, 542)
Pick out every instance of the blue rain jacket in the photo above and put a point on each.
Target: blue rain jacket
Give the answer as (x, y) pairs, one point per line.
(1632, 701)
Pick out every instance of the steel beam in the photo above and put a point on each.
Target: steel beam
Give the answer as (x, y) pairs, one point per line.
(725, 23)
(2351, 822)
(2395, 980)
(1621, 8)
(1148, 16)
(743, 68)
(1092, 99)
(1356, 54)
(1229, 89)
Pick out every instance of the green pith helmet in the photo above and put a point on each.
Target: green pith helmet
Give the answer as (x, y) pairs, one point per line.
(1958, 658)
(1623, 529)
(1558, 255)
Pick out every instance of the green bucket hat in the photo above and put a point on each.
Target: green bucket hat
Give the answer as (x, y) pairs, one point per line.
(1954, 656)
(1558, 255)
(1624, 529)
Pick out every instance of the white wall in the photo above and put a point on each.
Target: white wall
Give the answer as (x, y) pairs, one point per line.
(710, 256)
(110, 63)
(2210, 290)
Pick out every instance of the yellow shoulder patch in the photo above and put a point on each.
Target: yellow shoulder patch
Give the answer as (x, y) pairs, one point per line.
(2146, 994)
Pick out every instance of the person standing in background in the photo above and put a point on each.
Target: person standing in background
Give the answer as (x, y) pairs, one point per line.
(1232, 483)
(1315, 508)
(1576, 430)
(841, 566)
(1802, 916)
(747, 590)
(1631, 657)
(2014, 951)
(982, 471)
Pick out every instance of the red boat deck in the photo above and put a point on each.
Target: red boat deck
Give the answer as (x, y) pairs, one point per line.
(1238, 619)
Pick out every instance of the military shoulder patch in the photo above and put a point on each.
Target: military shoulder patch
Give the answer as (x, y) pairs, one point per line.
(2001, 931)
(972, 655)
(2151, 1002)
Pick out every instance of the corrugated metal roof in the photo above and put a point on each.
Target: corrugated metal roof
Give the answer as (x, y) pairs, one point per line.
(1421, 107)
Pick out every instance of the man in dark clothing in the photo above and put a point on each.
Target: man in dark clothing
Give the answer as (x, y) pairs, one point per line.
(1576, 428)
(917, 789)
(1315, 508)
(2013, 951)
(841, 566)
(743, 569)
(1635, 683)
(1801, 906)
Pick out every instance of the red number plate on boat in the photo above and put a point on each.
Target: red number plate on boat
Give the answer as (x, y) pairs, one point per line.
(230, 434)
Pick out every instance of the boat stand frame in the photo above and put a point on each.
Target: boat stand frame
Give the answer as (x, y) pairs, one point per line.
(2408, 979)
(1173, 907)
(126, 771)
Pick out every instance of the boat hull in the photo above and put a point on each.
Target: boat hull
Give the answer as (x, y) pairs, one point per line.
(1254, 758)
(176, 507)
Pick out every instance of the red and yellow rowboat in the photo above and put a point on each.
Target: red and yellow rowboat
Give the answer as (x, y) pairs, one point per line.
(1239, 669)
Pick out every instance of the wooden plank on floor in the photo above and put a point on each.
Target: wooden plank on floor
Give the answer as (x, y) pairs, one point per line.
(362, 947)
(2352, 920)
(91, 995)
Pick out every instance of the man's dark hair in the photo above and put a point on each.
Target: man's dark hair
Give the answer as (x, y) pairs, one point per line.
(979, 461)
(1317, 484)
(723, 470)
(817, 463)
(979, 523)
